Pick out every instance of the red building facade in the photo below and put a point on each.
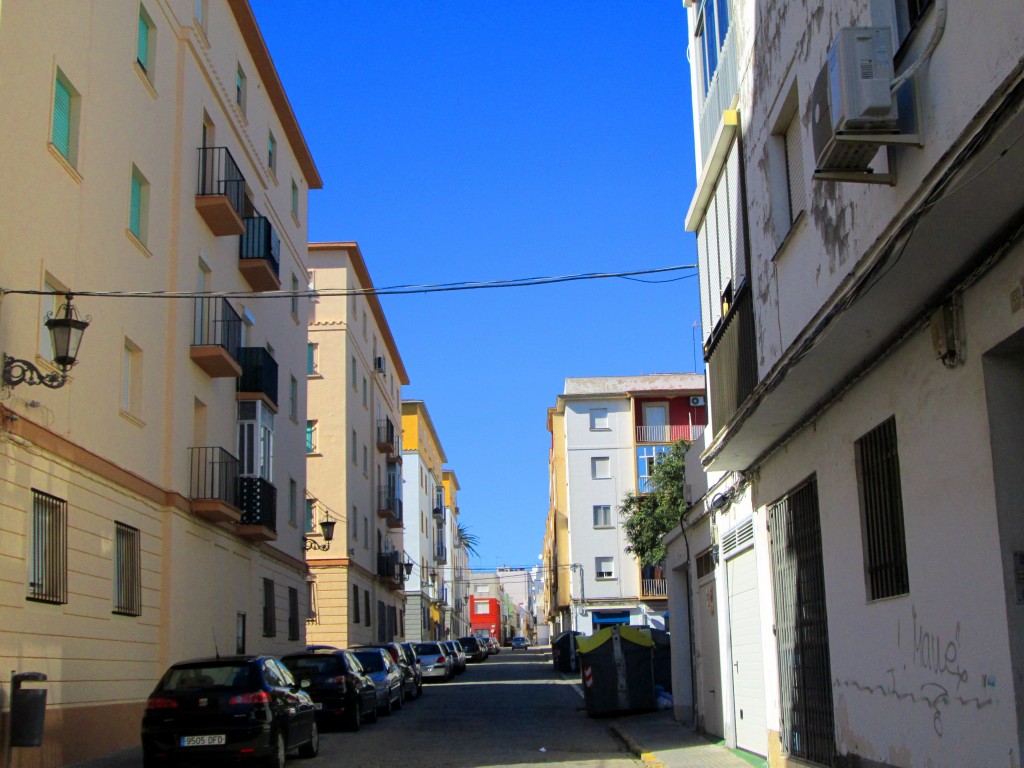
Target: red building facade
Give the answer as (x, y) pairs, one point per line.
(485, 616)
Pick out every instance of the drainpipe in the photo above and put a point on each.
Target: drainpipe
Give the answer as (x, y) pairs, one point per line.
(689, 616)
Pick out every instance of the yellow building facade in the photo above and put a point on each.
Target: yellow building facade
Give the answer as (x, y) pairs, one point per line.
(555, 555)
(354, 453)
(150, 508)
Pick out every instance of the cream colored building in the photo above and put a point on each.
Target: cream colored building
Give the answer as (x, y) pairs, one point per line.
(354, 455)
(456, 597)
(151, 508)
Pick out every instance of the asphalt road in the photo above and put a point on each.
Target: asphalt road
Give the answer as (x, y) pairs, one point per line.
(511, 710)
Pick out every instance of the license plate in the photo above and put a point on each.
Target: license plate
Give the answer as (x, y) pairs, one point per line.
(203, 741)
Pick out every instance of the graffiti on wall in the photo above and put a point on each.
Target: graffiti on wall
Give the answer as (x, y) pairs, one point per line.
(938, 658)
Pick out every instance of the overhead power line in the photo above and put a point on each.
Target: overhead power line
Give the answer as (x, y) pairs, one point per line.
(394, 290)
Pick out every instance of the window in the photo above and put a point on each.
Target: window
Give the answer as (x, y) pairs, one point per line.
(355, 604)
(240, 83)
(602, 516)
(293, 398)
(355, 375)
(366, 532)
(719, 244)
(364, 325)
(355, 523)
(366, 394)
(127, 570)
(706, 562)
(295, 199)
(293, 613)
(48, 561)
(310, 524)
(131, 377)
(293, 502)
(272, 153)
(49, 303)
(881, 506)
(712, 27)
(481, 606)
(66, 110)
(138, 206)
(255, 440)
(295, 296)
(600, 468)
(646, 457)
(794, 168)
(604, 568)
(908, 14)
(199, 14)
(311, 436)
(312, 359)
(144, 47)
(366, 607)
(269, 616)
(366, 460)
(599, 418)
(239, 633)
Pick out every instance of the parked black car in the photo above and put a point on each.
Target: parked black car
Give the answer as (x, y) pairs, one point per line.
(411, 686)
(474, 649)
(335, 680)
(245, 708)
(414, 663)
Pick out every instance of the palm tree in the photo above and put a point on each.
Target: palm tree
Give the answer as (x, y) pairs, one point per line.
(468, 540)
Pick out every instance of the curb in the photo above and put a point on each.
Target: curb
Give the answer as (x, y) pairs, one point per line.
(649, 758)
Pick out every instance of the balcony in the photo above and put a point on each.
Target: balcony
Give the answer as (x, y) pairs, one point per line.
(441, 554)
(259, 376)
(395, 521)
(732, 360)
(216, 338)
(259, 254)
(258, 499)
(722, 89)
(669, 433)
(395, 456)
(389, 568)
(654, 588)
(389, 506)
(220, 192)
(213, 484)
(386, 436)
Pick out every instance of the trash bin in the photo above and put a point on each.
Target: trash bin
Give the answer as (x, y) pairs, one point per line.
(617, 671)
(28, 710)
(662, 657)
(562, 651)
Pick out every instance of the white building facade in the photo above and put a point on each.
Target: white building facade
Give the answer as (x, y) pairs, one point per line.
(861, 280)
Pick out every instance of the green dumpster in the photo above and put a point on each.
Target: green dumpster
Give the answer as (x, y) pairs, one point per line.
(617, 671)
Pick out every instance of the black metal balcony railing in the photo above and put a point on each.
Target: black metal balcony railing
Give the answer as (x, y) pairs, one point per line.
(216, 324)
(259, 372)
(733, 361)
(213, 475)
(258, 502)
(441, 554)
(388, 565)
(260, 241)
(385, 434)
(388, 502)
(219, 175)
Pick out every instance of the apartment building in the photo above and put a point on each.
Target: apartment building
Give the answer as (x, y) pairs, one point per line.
(150, 499)
(607, 434)
(456, 605)
(518, 584)
(487, 605)
(856, 564)
(354, 376)
(427, 513)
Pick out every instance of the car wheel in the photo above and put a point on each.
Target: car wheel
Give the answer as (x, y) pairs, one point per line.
(387, 710)
(277, 758)
(401, 698)
(355, 720)
(312, 747)
(372, 716)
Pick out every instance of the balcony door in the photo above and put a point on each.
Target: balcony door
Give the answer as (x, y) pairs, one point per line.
(656, 422)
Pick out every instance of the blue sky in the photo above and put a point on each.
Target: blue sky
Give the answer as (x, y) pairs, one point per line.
(484, 141)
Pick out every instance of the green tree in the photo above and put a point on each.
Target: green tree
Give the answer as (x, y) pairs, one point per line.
(469, 540)
(647, 517)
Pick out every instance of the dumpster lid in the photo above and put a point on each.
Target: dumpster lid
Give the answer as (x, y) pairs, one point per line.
(602, 636)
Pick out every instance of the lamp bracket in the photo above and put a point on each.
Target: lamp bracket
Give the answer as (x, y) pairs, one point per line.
(311, 544)
(17, 372)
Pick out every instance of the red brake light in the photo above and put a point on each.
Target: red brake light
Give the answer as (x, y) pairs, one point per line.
(440, 660)
(158, 702)
(257, 698)
(340, 682)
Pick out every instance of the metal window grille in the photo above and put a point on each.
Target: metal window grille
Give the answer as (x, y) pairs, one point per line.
(48, 580)
(355, 604)
(801, 626)
(269, 617)
(127, 570)
(366, 607)
(239, 633)
(881, 504)
(705, 563)
(293, 613)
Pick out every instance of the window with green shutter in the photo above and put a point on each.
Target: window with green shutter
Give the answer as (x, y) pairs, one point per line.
(142, 48)
(63, 131)
(138, 204)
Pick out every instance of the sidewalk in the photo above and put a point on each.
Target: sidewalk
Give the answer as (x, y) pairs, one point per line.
(661, 742)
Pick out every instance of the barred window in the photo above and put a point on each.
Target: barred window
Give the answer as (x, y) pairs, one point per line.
(293, 613)
(127, 570)
(355, 604)
(881, 505)
(269, 617)
(48, 566)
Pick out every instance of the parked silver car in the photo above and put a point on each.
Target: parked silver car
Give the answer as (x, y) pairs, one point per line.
(435, 660)
(458, 656)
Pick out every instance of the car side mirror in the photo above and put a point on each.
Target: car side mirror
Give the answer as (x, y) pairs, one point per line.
(305, 683)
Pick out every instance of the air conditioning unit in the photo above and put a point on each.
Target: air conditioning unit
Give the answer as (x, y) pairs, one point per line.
(696, 400)
(853, 107)
(378, 364)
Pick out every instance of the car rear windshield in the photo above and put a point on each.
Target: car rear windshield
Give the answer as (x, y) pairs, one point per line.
(371, 660)
(425, 649)
(231, 675)
(313, 666)
(468, 642)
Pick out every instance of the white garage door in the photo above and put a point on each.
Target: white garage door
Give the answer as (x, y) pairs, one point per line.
(747, 662)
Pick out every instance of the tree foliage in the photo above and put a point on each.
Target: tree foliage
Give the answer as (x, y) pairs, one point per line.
(647, 517)
(468, 540)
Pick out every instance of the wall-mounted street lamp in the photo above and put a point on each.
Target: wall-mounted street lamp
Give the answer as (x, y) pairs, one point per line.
(327, 529)
(65, 336)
